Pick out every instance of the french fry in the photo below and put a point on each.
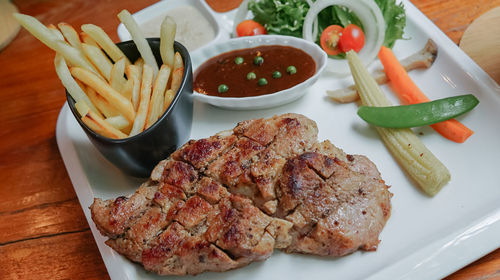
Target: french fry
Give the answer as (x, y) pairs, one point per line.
(92, 68)
(99, 59)
(178, 63)
(76, 92)
(70, 34)
(36, 28)
(89, 92)
(134, 75)
(128, 89)
(140, 119)
(103, 40)
(120, 103)
(102, 104)
(72, 55)
(139, 39)
(167, 36)
(176, 79)
(56, 32)
(169, 97)
(139, 63)
(82, 108)
(88, 40)
(96, 123)
(159, 87)
(178, 72)
(117, 80)
(118, 122)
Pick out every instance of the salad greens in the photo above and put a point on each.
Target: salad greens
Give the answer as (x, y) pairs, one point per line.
(337, 15)
(286, 17)
(395, 20)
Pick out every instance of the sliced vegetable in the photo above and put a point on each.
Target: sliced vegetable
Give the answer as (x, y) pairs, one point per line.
(330, 39)
(353, 38)
(408, 92)
(286, 17)
(420, 164)
(250, 28)
(422, 59)
(418, 114)
(370, 17)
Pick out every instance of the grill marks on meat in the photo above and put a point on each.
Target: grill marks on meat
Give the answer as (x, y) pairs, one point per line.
(281, 138)
(200, 153)
(222, 202)
(137, 238)
(177, 252)
(190, 224)
(335, 210)
(231, 168)
(249, 159)
(217, 237)
(121, 212)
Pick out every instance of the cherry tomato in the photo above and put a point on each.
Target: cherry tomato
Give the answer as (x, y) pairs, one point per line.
(249, 28)
(330, 38)
(352, 38)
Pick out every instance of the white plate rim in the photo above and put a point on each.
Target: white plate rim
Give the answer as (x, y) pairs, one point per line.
(436, 260)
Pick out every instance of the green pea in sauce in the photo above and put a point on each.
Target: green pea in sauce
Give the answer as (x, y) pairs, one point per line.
(222, 69)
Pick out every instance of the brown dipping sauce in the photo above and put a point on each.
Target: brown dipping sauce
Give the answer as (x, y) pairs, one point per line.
(222, 69)
(222, 6)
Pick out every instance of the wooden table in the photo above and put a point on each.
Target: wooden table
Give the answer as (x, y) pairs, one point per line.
(43, 232)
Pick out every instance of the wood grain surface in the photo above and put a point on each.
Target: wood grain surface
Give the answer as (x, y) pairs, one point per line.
(43, 232)
(485, 53)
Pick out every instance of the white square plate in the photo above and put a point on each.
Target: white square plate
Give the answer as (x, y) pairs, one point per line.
(425, 238)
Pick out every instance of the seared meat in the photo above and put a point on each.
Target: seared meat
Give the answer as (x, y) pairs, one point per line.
(222, 202)
(336, 206)
(249, 159)
(187, 223)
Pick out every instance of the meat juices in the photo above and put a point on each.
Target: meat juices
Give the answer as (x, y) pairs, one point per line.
(228, 200)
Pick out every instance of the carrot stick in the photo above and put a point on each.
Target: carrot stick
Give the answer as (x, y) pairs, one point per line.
(408, 93)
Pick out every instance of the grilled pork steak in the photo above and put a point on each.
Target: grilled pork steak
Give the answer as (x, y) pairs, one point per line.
(225, 201)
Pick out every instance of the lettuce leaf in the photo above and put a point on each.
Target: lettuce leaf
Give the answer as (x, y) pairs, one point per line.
(286, 17)
(395, 20)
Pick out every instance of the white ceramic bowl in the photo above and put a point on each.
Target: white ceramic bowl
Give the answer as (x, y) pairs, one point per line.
(159, 9)
(262, 101)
